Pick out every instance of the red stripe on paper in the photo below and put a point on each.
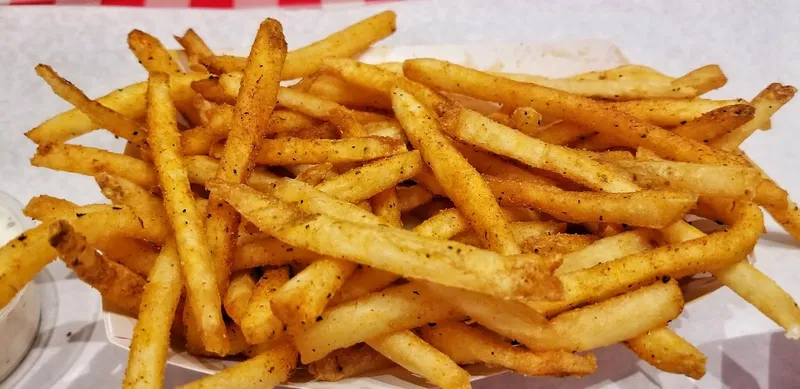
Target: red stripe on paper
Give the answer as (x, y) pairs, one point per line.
(300, 3)
(211, 4)
(32, 2)
(124, 3)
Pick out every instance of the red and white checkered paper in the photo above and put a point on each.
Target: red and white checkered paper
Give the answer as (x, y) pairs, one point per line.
(223, 4)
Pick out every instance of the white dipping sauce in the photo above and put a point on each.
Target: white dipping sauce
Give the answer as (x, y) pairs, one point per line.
(19, 320)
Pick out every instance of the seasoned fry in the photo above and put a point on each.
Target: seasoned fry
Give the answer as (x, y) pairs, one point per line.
(607, 249)
(195, 48)
(105, 117)
(556, 243)
(669, 112)
(91, 161)
(268, 252)
(367, 181)
(391, 310)
(410, 197)
(385, 206)
(349, 362)
(715, 123)
(768, 101)
(487, 163)
(707, 180)
(610, 89)
(345, 43)
(789, 216)
(266, 370)
(613, 320)
(115, 282)
(653, 209)
(150, 343)
(237, 295)
(632, 72)
(336, 90)
(418, 357)
(259, 90)
(463, 184)
(527, 120)
(23, 257)
(260, 325)
(196, 262)
(668, 352)
(121, 191)
(563, 133)
(701, 80)
(468, 345)
(296, 151)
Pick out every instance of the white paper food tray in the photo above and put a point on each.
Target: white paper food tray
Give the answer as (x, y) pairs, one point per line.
(552, 59)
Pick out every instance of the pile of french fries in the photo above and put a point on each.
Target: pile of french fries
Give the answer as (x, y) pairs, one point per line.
(364, 217)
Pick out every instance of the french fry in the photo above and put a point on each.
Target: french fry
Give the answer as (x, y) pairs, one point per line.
(701, 80)
(345, 43)
(556, 243)
(404, 254)
(314, 174)
(715, 123)
(768, 101)
(260, 325)
(91, 161)
(391, 310)
(128, 101)
(296, 151)
(195, 48)
(201, 169)
(705, 253)
(23, 257)
(105, 117)
(336, 90)
(121, 191)
(632, 72)
(610, 89)
(489, 164)
(464, 185)
(156, 59)
(150, 342)
(613, 320)
(196, 262)
(708, 180)
(349, 362)
(469, 345)
(115, 282)
(527, 120)
(134, 254)
(237, 295)
(788, 217)
(410, 197)
(654, 209)
(444, 225)
(385, 206)
(607, 249)
(668, 352)
(669, 112)
(500, 118)
(266, 370)
(563, 133)
(259, 90)
(268, 252)
(370, 179)
(415, 355)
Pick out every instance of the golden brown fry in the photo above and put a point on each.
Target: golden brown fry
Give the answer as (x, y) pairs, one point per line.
(391, 310)
(148, 207)
(668, 352)
(557, 243)
(705, 253)
(669, 112)
(385, 206)
(631, 72)
(527, 120)
(415, 355)
(716, 122)
(789, 216)
(91, 161)
(610, 89)
(268, 252)
(654, 209)
(563, 133)
(338, 91)
(105, 117)
(468, 345)
(129, 102)
(370, 179)
(768, 101)
(116, 283)
(607, 249)
(195, 48)
(461, 181)
(307, 60)
(490, 164)
(23, 257)
(259, 90)
(260, 325)
(707, 180)
(701, 80)
(196, 262)
(150, 343)
(314, 174)
(296, 151)
(266, 370)
(500, 118)
(237, 296)
(410, 197)
(613, 320)
(349, 362)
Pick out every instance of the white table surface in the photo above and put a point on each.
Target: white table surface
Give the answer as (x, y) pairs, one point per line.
(754, 43)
